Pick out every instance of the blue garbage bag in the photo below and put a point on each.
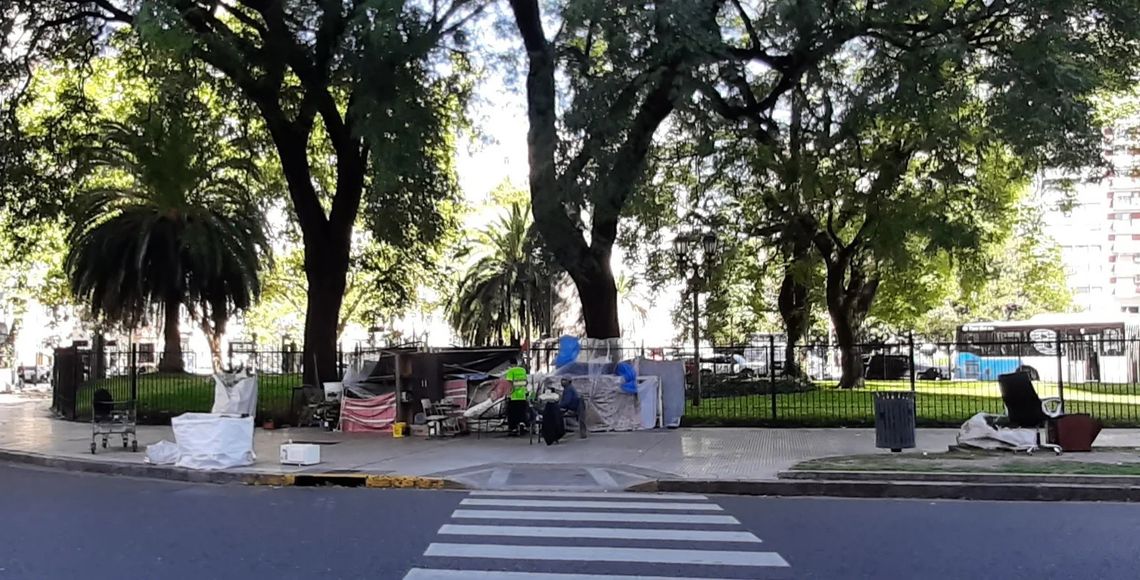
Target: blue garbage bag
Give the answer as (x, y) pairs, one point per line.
(568, 349)
(629, 377)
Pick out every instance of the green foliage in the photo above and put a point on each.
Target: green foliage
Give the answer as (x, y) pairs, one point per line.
(506, 285)
(741, 295)
(360, 101)
(166, 217)
(382, 284)
(902, 147)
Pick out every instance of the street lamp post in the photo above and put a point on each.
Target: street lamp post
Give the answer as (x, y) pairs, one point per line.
(10, 361)
(695, 252)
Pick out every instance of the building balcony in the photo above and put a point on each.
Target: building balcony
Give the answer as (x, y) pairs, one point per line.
(1129, 247)
(1123, 197)
(1125, 269)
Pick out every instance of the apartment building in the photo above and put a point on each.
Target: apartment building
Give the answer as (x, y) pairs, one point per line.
(1095, 218)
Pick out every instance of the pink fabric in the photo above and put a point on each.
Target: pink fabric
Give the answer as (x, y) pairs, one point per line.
(456, 390)
(502, 389)
(368, 415)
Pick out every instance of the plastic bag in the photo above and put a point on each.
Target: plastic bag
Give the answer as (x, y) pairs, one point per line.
(235, 394)
(628, 376)
(980, 432)
(568, 349)
(162, 453)
(208, 441)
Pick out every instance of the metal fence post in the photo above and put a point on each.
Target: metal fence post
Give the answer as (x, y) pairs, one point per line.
(134, 371)
(910, 344)
(772, 372)
(1060, 369)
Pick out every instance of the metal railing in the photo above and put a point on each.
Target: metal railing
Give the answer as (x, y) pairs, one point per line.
(756, 384)
(78, 373)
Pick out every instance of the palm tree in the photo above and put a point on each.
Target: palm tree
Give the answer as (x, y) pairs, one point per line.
(166, 221)
(508, 289)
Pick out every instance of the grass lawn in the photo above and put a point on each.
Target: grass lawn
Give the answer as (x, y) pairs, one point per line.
(161, 396)
(938, 403)
(1099, 462)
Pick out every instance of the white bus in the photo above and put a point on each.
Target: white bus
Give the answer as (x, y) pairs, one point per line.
(1093, 348)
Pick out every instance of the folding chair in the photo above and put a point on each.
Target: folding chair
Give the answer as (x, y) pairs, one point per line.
(440, 423)
(1026, 410)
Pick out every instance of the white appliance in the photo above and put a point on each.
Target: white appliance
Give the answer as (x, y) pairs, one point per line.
(300, 454)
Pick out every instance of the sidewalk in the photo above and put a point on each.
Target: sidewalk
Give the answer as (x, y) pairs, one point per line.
(608, 461)
(26, 426)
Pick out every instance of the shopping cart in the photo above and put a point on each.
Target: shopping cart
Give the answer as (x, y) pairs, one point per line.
(110, 417)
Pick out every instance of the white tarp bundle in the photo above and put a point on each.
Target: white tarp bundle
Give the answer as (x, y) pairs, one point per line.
(235, 394)
(671, 374)
(208, 441)
(162, 453)
(979, 431)
(648, 400)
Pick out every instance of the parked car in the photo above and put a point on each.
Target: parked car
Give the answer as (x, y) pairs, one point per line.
(893, 367)
(34, 374)
(732, 364)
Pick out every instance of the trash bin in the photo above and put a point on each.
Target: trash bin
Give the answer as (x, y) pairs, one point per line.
(894, 420)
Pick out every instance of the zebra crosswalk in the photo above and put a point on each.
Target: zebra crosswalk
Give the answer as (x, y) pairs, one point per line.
(592, 536)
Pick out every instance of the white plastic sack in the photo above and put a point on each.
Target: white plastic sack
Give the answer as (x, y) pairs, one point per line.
(208, 441)
(978, 432)
(648, 391)
(235, 394)
(481, 410)
(162, 453)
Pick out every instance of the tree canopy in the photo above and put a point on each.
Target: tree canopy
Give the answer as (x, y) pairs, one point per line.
(907, 132)
(166, 220)
(364, 89)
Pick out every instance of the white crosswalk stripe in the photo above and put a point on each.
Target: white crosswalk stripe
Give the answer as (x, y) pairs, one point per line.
(599, 554)
(594, 517)
(617, 505)
(430, 574)
(591, 495)
(490, 530)
(598, 533)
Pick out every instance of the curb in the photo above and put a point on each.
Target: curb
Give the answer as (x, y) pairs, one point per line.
(961, 477)
(899, 490)
(169, 473)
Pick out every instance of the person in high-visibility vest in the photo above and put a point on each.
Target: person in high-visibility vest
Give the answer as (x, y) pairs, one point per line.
(518, 409)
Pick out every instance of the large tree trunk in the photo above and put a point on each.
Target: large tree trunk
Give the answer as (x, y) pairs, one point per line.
(327, 237)
(849, 297)
(850, 355)
(795, 311)
(598, 291)
(171, 361)
(326, 268)
(622, 162)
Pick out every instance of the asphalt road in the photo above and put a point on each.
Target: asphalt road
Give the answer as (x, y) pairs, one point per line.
(62, 525)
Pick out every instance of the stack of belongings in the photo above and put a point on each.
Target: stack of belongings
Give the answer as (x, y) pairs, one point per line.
(608, 385)
(369, 402)
(487, 402)
(671, 377)
(455, 390)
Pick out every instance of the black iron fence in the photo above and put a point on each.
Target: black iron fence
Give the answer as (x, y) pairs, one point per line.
(761, 384)
(765, 385)
(129, 374)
